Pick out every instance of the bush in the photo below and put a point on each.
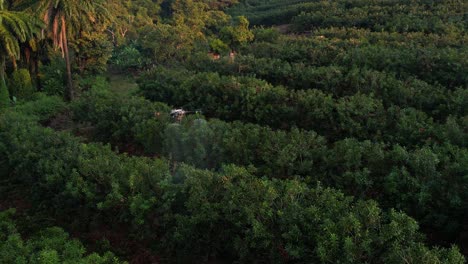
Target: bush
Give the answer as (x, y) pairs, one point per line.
(92, 52)
(338, 81)
(20, 84)
(119, 118)
(253, 100)
(218, 46)
(49, 246)
(360, 168)
(42, 107)
(53, 76)
(4, 96)
(128, 57)
(271, 35)
(231, 213)
(93, 83)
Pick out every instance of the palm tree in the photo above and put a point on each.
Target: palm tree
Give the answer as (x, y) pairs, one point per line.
(15, 28)
(64, 19)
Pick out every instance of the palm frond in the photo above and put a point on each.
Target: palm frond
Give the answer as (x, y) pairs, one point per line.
(16, 28)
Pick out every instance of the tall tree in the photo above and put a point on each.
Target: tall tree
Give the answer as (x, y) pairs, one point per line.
(15, 28)
(66, 18)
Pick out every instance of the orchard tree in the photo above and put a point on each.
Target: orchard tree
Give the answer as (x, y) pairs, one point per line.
(92, 51)
(129, 16)
(237, 35)
(218, 46)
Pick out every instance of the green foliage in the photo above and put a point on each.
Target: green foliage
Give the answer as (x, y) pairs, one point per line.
(360, 168)
(362, 98)
(266, 34)
(218, 46)
(4, 96)
(53, 76)
(237, 35)
(95, 83)
(341, 80)
(163, 85)
(92, 52)
(43, 107)
(128, 57)
(163, 43)
(122, 119)
(248, 99)
(16, 28)
(20, 84)
(343, 13)
(49, 246)
(230, 213)
(360, 115)
(393, 16)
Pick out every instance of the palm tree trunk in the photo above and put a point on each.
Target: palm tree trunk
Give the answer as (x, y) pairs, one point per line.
(4, 94)
(33, 69)
(2, 71)
(69, 95)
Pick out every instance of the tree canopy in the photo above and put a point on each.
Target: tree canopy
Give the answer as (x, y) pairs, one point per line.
(225, 131)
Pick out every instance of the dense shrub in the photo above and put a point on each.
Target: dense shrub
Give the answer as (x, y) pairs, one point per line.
(364, 116)
(50, 245)
(128, 57)
(53, 76)
(361, 168)
(331, 137)
(119, 118)
(266, 34)
(217, 46)
(20, 84)
(231, 213)
(96, 82)
(92, 52)
(435, 65)
(232, 98)
(4, 96)
(209, 144)
(43, 107)
(394, 16)
(338, 81)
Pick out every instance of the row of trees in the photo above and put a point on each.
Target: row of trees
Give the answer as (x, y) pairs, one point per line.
(393, 39)
(342, 81)
(359, 168)
(393, 16)
(395, 79)
(253, 100)
(232, 213)
(444, 17)
(403, 57)
(389, 109)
